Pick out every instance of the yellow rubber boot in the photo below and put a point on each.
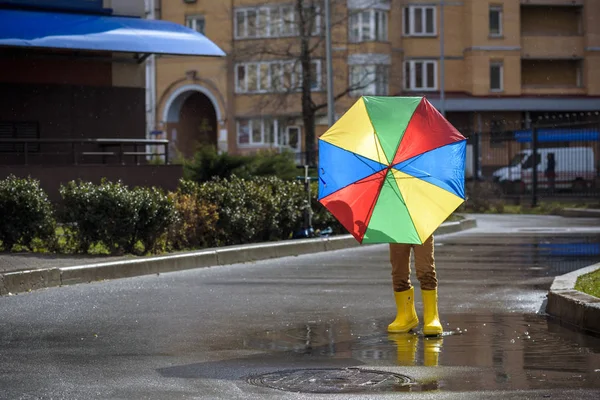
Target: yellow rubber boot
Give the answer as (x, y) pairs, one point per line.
(431, 319)
(406, 317)
(406, 347)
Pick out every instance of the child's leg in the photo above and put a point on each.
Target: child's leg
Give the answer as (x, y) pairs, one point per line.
(425, 265)
(400, 260)
(404, 293)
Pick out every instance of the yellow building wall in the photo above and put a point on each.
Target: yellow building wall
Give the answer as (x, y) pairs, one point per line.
(592, 73)
(479, 69)
(591, 23)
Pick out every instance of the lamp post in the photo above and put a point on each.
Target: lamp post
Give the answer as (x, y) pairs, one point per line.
(330, 101)
(442, 69)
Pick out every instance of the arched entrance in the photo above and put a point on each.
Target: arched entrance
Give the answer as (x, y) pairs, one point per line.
(192, 115)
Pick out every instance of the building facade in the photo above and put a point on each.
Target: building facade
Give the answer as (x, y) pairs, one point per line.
(73, 86)
(504, 62)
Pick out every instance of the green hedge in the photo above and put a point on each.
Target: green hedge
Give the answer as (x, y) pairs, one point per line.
(112, 218)
(116, 216)
(26, 214)
(256, 210)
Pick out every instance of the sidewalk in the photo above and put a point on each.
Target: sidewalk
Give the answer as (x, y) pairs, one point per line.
(25, 272)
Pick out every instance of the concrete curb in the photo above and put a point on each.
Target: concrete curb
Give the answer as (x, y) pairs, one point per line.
(24, 281)
(571, 306)
(580, 213)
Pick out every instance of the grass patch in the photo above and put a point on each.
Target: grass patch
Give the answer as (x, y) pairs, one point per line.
(589, 283)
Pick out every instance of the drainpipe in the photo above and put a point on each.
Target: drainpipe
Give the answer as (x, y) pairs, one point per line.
(149, 11)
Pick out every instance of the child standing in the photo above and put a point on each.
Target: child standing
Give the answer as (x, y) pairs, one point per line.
(406, 317)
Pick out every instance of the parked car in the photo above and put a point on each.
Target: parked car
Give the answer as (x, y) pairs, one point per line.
(574, 169)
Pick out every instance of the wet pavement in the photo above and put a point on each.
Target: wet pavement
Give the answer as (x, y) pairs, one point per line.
(315, 325)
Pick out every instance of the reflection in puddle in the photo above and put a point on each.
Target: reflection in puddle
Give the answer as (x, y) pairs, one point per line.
(495, 345)
(509, 351)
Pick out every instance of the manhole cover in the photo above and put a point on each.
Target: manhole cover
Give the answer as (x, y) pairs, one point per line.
(332, 380)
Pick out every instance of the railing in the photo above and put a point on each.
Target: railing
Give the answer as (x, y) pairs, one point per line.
(506, 157)
(77, 149)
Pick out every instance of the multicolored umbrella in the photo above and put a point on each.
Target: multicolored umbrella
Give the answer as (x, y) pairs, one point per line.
(391, 169)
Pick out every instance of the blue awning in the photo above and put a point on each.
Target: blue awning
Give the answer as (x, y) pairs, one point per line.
(558, 135)
(38, 29)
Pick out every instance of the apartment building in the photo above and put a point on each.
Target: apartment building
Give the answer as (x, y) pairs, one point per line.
(503, 60)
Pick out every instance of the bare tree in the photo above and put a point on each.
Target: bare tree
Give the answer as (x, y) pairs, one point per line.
(303, 43)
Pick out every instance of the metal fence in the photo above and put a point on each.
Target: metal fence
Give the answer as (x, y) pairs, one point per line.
(557, 159)
(20, 151)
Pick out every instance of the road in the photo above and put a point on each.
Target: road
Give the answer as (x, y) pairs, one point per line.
(209, 333)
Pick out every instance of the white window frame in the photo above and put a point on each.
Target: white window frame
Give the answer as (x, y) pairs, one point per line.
(237, 34)
(274, 26)
(374, 14)
(251, 123)
(380, 72)
(500, 65)
(191, 21)
(296, 77)
(318, 78)
(499, 10)
(281, 137)
(410, 29)
(412, 77)
(287, 145)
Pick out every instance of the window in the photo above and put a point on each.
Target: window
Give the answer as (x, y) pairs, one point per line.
(496, 78)
(268, 132)
(419, 21)
(420, 75)
(274, 76)
(288, 26)
(195, 22)
(274, 21)
(369, 80)
(495, 20)
(367, 25)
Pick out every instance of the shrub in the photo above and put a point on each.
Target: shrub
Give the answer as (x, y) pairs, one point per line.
(250, 210)
(208, 164)
(26, 214)
(195, 223)
(155, 214)
(116, 216)
(269, 163)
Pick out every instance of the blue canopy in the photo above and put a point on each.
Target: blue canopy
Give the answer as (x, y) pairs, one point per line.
(39, 29)
(558, 135)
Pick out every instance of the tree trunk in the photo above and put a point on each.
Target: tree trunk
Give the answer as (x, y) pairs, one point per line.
(308, 112)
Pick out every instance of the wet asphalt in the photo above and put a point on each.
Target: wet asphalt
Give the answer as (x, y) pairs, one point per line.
(212, 333)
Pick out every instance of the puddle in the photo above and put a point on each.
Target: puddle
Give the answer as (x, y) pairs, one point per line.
(506, 351)
(501, 349)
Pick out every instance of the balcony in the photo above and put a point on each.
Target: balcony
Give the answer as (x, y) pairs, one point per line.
(552, 2)
(552, 77)
(552, 47)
